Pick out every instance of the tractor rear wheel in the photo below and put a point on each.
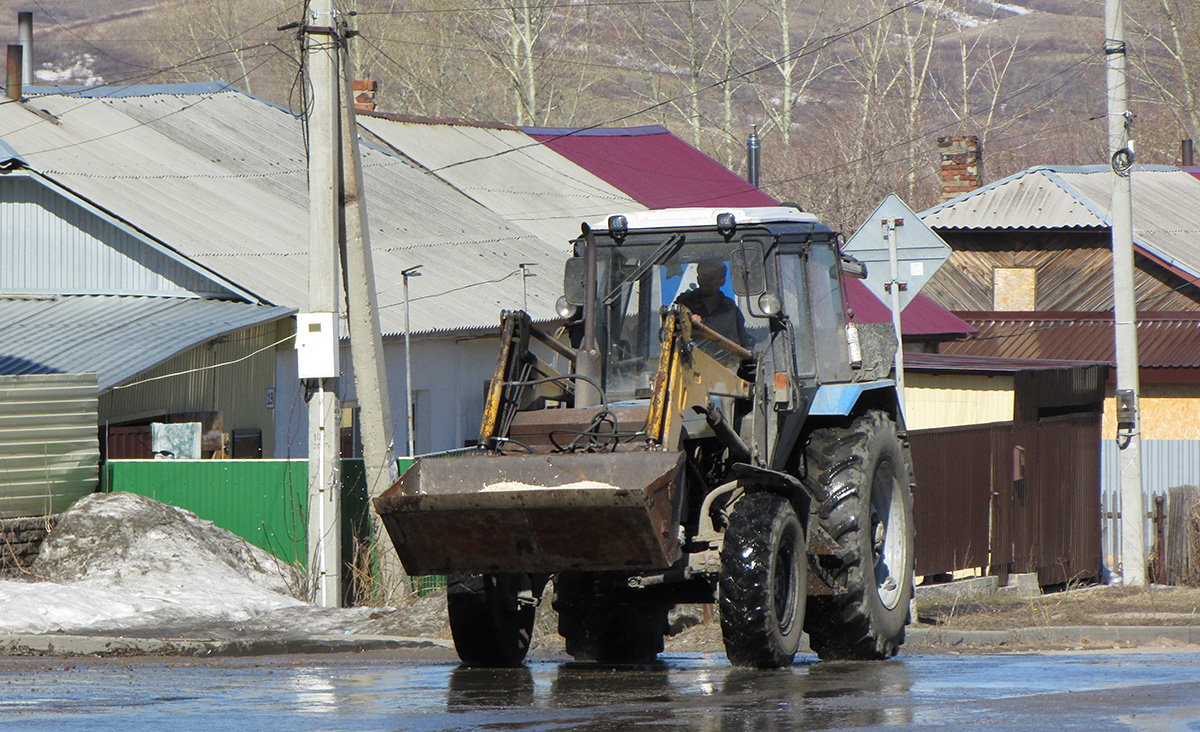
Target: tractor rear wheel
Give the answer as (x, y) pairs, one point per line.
(601, 625)
(763, 581)
(865, 469)
(491, 618)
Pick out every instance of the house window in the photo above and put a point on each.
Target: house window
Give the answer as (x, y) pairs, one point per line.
(1014, 288)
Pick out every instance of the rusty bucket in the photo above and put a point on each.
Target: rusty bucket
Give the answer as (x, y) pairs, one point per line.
(536, 513)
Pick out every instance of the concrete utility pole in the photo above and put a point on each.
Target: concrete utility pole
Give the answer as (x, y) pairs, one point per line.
(366, 339)
(1129, 439)
(324, 411)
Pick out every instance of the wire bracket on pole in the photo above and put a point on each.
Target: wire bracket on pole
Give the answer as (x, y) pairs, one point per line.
(1112, 47)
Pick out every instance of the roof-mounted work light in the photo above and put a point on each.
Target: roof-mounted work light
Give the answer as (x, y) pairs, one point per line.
(726, 224)
(618, 226)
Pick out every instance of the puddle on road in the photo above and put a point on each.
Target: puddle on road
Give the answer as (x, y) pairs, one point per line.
(684, 692)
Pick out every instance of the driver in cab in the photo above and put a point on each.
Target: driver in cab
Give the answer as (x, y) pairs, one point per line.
(714, 308)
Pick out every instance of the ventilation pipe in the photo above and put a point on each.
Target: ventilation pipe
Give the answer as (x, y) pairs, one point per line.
(25, 38)
(1187, 154)
(13, 87)
(754, 157)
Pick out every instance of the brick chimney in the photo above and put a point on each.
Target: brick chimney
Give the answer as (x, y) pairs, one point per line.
(364, 94)
(962, 165)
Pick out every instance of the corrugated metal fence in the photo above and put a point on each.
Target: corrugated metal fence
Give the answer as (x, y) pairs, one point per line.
(1009, 498)
(263, 501)
(49, 449)
(1165, 464)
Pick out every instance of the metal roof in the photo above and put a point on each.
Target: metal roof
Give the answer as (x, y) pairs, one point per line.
(652, 166)
(960, 363)
(117, 337)
(505, 170)
(1166, 207)
(921, 317)
(1165, 340)
(220, 177)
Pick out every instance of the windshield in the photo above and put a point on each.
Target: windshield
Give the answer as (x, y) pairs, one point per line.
(639, 281)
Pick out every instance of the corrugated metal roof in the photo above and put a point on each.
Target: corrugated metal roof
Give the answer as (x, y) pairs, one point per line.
(508, 172)
(958, 363)
(116, 337)
(921, 317)
(220, 177)
(1165, 340)
(1166, 207)
(652, 166)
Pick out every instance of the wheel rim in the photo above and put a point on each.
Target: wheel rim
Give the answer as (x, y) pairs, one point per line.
(785, 582)
(889, 531)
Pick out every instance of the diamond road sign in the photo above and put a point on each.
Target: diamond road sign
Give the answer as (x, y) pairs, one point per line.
(919, 251)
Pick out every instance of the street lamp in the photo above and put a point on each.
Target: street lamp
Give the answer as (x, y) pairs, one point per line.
(408, 397)
(525, 292)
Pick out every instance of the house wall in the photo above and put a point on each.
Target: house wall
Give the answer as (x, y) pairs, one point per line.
(449, 375)
(952, 400)
(1073, 272)
(230, 375)
(49, 454)
(1169, 412)
(55, 244)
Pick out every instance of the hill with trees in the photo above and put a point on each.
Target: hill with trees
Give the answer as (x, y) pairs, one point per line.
(849, 96)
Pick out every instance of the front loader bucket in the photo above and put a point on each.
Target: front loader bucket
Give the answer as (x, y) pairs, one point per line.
(536, 513)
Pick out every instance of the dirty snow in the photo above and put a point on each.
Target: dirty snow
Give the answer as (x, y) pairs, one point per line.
(122, 563)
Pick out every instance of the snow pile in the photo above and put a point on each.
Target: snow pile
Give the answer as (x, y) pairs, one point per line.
(125, 562)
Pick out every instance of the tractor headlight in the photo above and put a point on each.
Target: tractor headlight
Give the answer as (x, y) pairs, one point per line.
(564, 308)
(770, 304)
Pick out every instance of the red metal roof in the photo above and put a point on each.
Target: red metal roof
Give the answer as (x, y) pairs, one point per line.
(659, 170)
(652, 166)
(959, 363)
(921, 317)
(1166, 340)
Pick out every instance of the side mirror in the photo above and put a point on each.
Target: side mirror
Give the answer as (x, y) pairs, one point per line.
(747, 264)
(851, 267)
(574, 280)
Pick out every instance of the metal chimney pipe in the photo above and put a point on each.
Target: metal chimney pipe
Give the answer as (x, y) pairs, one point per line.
(13, 87)
(754, 157)
(25, 38)
(1187, 154)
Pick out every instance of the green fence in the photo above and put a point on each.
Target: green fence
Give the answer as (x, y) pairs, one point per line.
(263, 501)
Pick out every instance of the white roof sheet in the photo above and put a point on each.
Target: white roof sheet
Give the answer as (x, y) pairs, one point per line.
(220, 177)
(507, 171)
(1166, 207)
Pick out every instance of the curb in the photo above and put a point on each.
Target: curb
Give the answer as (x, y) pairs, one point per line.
(80, 645)
(1077, 634)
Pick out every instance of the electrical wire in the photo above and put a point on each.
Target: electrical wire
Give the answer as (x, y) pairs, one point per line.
(160, 377)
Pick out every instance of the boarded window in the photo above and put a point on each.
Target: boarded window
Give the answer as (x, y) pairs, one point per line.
(1014, 288)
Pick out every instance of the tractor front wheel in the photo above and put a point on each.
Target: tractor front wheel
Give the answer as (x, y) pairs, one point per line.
(763, 581)
(491, 618)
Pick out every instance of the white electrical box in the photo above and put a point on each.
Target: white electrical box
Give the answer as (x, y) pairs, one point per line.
(317, 345)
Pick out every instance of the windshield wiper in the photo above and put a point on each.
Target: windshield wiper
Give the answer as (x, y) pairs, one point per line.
(666, 249)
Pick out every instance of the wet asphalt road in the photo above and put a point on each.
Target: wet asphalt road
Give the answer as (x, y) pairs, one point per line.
(1153, 691)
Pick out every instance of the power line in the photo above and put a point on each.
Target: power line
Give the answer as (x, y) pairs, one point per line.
(799, 53)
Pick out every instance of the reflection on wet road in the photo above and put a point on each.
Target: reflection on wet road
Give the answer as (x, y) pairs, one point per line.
(685, 692)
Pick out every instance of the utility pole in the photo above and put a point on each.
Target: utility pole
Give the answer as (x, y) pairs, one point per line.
(1129, 439)
(366, 339)
(324, 411)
